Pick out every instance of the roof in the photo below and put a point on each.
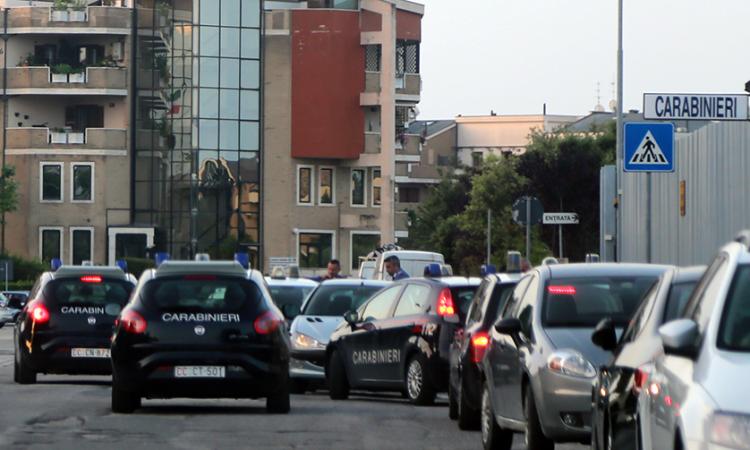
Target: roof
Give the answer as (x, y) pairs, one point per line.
(604, 269)
(429, 127)
(230, 268)
(354, 282)
(505, 277)
(686, 274)
(74, 271)
(452, 281)
(296, 282)
(599, 119)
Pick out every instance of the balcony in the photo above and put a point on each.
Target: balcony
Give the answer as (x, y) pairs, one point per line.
(372, 143)
(408, 148)
(92, 19)
(92, 81)
(57, 141)
(409, 84)
(372, 82)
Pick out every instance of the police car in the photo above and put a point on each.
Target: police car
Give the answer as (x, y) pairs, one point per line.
(200, 329)
(67, 326)
(399, 339)
(288, 293)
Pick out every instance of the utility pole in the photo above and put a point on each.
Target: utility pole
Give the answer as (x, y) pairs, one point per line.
(618, 149)
(489, 235)
(528, 229)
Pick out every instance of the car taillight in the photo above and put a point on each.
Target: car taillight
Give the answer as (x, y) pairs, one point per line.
(131, 322)
(38, 312)
(479, 343)
(266, 323)
(91, 279)
(561, 290)
(445, 303)
(639, 379)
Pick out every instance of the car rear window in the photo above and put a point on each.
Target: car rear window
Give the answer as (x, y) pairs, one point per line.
(335, 300)
(201, 294)
(462, 297)
(289, 295)
(734, 333)
(678, 298)
(583, 302)
(88, 290)
(499, 298)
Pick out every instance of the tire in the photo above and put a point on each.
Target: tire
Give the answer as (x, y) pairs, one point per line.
(22, 373)
(298, 386)
(468, 418)
(452, 404)
(419, 390)
(534, 436)
(124, 402)
(338, 385)
(278, 402)
(493, 437)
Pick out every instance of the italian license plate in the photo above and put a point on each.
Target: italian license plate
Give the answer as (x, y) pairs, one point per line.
(89, 352)
(200, 372)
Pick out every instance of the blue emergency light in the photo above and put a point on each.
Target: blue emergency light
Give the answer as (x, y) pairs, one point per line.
(433, 270)
(243, 258)
(488, 269)
(55, 263)
(160, 257)
(122, 264)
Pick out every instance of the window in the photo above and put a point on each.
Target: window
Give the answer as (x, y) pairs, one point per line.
(358, 187)
(414, 300)
(315, 249)
(304, 185)
(362, 245)
(50, 243)
(407, 57)
(82, 182)
(326, 189)
(51, 182)
(81, 245)
(380, 305)
(734, 332)
(377, 185)
(372, 58)
(476, 159)
(408, 195)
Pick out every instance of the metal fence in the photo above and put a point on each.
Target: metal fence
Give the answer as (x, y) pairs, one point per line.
(714, 165)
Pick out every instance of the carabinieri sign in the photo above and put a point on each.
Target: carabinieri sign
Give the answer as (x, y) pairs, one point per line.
(695, 107)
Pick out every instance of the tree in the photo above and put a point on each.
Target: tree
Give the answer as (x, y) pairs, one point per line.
(8, 191)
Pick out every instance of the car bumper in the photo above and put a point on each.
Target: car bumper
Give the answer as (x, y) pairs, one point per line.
(562, 397)
(54, 355)
(317, 357)
(305, 370)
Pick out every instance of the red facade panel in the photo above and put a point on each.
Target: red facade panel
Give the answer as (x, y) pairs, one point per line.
(408, 26)
(327, 78)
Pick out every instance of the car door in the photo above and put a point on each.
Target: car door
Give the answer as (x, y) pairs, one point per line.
(362, 345)
(404, 329)
(462, 335)
(502, 351)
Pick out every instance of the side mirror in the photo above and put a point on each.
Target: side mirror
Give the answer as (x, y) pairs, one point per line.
(508, 326)
(604, 335)
(351, 317)
(290, 310)
(678, 337)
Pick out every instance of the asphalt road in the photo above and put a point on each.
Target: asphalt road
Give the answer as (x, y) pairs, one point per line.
(63, 412)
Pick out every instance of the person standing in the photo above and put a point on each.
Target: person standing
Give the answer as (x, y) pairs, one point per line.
(393, 268)
(333, 271)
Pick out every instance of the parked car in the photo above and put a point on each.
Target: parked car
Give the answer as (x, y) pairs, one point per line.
(400, 339)
(312, 327)
(469, 344)
(539, 366)
(288, 294)
(412, 261)
(615, 393)
(695, 396)
(16, 300)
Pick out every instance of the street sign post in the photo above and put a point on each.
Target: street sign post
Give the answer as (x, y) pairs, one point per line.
(6, 271)
(695, 106)
(560, 219)
(527, 211)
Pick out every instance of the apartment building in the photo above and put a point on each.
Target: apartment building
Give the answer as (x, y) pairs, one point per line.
(65, 77)
(341, 86)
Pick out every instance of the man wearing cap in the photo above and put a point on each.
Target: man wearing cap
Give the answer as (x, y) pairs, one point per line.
(393, 268)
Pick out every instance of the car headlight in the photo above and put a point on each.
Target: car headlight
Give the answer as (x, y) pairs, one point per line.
(305, 342)
(570, 363)
(730, 429)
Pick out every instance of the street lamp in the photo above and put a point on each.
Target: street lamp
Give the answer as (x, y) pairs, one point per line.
(619, 141)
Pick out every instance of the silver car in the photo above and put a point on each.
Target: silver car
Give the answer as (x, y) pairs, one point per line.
(321, 314)
(695, 395)
(539, 367)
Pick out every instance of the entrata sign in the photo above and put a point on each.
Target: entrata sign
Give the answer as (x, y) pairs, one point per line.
(695, 107)
(560, 219)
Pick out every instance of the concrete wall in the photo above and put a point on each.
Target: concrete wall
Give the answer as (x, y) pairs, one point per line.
(51, 110)
(713, 162)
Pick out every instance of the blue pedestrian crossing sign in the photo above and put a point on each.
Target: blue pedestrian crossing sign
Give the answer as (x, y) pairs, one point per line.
(649, 147)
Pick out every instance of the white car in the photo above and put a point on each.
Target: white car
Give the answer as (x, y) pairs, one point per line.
(695, 396)
(412, 261)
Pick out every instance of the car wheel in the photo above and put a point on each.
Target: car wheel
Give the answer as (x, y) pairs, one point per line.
(452, 405)
(493, 437)
(22, 373)
(533, 435)
(417, 387)
(468, 418)
(338, 385)
(278, 402)
(124, 402)
(298, 386)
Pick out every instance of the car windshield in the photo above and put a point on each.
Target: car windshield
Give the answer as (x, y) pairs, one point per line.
(201, 294)
(88, 290)
(462, 297)
(289, 295)
(734, 333)
(583, 302)
(678, 298)
(335, 300)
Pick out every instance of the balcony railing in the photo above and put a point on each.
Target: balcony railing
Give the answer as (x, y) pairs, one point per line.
(28, 18)
(110, 78)
(409, 144)
(45, 138)
(409, 84)
(372, 142)
(372, 81)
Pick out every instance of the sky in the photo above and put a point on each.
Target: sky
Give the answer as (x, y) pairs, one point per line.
(513, 56)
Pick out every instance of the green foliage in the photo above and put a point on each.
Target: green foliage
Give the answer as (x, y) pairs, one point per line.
(63, 69)
(8, 190)
(24, 270)
(137, 266)
(225, 249)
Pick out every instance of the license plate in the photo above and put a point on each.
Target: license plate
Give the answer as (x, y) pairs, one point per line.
(89, 353)
(199, 372)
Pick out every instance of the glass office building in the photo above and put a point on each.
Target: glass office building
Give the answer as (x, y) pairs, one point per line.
(197, 133)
